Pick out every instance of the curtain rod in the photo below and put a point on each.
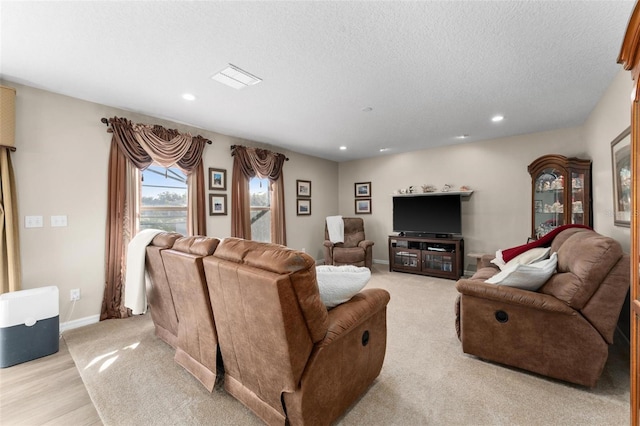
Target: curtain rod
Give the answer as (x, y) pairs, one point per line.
(234, 147)
(106, 121)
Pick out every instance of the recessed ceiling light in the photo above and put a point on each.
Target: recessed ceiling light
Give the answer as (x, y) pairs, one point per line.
(384, 149)
(462, 137)
(188, 97)
(497, 118)
(235, 77)
(367, 109)
(343, 148)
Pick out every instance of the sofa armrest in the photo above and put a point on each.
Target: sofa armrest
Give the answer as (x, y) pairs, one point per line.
(353, 312)
(365, 243)
(328, 243)
(514, 296)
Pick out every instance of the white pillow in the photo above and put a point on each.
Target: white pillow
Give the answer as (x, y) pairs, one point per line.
(337, 284)
(528, 257)
(527, 277)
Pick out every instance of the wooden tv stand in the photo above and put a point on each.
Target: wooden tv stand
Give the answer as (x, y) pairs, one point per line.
(438, 257)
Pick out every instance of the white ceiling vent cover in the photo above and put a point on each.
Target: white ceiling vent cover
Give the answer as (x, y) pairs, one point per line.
(235, 77)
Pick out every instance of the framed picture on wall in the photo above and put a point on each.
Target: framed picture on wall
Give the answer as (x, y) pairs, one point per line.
(621, 170)
(363, 206)
(303, 207)
(217, 179)
(303, 188)
(217, 204)
(362, 189)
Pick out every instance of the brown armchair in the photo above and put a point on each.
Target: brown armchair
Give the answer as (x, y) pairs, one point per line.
(286, 357)
(356, 249)
(196, 346)
(565, 328)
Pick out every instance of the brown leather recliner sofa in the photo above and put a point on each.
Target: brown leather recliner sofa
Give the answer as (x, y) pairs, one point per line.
(286, 357)
(563, 330)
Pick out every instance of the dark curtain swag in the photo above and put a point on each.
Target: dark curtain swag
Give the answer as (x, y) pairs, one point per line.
(142, 145)
(248, 163)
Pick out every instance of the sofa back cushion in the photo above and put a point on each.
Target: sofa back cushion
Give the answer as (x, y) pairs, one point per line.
(196, 327)
(268, 314)
(159, 294)
(584, 260)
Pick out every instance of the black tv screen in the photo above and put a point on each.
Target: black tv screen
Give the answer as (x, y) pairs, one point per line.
(427, 214)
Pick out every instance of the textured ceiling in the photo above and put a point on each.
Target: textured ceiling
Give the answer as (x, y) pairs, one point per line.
(430, 71)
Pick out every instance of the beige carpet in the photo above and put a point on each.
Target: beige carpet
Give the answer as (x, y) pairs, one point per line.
(425, 380)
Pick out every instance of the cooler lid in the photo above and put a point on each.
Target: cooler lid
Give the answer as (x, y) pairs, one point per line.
(28, 306)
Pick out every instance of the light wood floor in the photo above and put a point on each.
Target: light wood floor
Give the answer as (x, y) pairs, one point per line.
(45, 391)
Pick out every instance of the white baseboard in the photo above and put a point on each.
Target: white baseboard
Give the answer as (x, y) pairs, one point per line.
(80, 322)
(380, 261)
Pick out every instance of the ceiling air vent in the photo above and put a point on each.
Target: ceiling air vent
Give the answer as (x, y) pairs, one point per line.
(235, 77)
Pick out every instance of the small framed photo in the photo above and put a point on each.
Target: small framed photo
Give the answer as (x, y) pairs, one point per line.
(363, 206)
(303, 188)
(621, 169)
(217, 179)
(538, 206)
(362, 189)
(217, 204)
(303, 207)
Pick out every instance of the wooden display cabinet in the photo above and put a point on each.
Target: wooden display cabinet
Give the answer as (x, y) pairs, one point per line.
(438, 257)
(561, 193)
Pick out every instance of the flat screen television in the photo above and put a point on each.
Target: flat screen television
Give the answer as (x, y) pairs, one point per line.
(427, 215)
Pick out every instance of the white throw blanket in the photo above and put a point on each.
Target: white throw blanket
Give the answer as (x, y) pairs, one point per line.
(335, 227)
(135, 295)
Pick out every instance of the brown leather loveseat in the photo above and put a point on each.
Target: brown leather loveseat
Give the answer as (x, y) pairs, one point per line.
(563, 330)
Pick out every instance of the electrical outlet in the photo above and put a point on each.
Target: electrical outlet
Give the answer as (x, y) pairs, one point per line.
(75, 294)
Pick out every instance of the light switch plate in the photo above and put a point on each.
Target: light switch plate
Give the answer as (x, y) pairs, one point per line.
(33, 222)
(58, 221)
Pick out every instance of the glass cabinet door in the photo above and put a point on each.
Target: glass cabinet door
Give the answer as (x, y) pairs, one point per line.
(578, 201)
(549, 196)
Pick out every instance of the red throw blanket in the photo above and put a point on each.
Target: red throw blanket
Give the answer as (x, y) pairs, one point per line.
(545, 241)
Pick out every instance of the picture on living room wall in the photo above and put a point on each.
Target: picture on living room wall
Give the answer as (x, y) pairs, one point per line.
(217, 204)
(303, 188)
(363, 206)
(363, 189)
(621, 167)
(217, 179)
(303, 207)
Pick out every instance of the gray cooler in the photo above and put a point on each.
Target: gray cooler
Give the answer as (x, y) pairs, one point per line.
(29, 325)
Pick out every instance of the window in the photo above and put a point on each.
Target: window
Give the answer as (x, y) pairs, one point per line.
(163, 199)
(260, 201)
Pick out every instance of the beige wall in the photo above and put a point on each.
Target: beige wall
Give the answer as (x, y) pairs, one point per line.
(608, 119)
(61, 169)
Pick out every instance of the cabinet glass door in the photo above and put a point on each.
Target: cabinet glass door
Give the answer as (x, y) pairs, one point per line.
(578, 201)
(407, 258)
(438, 262)
(549, 201)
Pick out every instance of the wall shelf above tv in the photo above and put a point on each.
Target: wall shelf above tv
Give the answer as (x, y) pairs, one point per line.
(419, 194)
